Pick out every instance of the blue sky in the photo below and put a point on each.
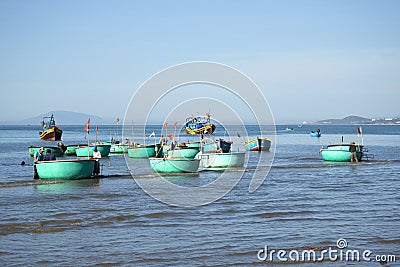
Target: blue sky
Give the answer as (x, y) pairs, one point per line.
(311, 59)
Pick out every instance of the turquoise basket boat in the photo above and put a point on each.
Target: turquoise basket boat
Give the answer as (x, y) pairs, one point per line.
(340, 153)
(210, 161)
(71, 150)
(315, 134)
(258, 144)
(85, 152)
(65, 169)
(142, 151)
(174, 165)
(55, 150)
(118, 149)
(188, 153)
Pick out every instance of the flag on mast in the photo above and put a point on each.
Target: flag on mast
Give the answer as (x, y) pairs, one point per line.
(165, 125)
(359, 130)
(153, 134)
(87, 125)
(97, 129)
(117, 120)
(175, 124)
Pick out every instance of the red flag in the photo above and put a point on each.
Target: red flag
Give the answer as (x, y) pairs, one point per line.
(165, 125)
(87, 125)
(171, 137)
(117, 120)
(176, 123)
(359, 130)
(97, 129)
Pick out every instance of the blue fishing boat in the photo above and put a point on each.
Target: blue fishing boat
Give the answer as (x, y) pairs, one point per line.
(316, 134)
(199, 125)
(50, 131)
(258, 144)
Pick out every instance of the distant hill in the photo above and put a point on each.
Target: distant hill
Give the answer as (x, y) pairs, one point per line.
(347, 120)
(66, 118)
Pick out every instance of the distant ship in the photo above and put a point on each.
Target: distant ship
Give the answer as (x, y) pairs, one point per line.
(50, 131)
(199, 125)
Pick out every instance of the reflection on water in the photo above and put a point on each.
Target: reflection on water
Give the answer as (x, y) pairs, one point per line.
(65, 187)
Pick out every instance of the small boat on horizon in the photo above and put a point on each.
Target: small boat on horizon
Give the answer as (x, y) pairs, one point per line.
(50, 131)
(316, 134)
(71, 169)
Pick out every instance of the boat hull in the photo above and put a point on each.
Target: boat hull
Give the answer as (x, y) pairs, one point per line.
(174, 165)
(340, 153)
(188, 153)
(315, 134)
(56, 151)
(209, 129)
(85, 152)
(142, 152)
(118, 149)
(52, 134)
(258, 144)
(65, 169)
(221, 160)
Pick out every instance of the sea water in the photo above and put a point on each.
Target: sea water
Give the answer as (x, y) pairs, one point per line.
(304, 203)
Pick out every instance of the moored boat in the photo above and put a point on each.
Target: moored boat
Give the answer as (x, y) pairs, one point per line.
(71, 150)
(174, 165)
(199, 125)
(55, 150)
(315, 134)
(118, 148)
(258, 144)
(341, 153)
(85, 151)
(210, 161)
(142, 151)
(183, 152)
(65, 169)
(50, 131)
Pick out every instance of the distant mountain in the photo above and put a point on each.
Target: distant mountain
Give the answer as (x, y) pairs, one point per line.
(67, 118)
(346, 120)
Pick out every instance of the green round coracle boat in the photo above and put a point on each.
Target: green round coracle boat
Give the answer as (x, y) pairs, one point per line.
(340, 153)
(88, 152)
(55, 150)
(142, 151)
(174, 165)
(188, 152)
(65, 169)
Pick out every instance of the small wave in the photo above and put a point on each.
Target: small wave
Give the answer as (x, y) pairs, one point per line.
(281, 213)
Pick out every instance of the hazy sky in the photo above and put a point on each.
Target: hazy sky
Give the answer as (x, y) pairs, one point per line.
(311, 59)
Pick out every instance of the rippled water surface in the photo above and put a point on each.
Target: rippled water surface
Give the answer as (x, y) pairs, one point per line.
(304, 203)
